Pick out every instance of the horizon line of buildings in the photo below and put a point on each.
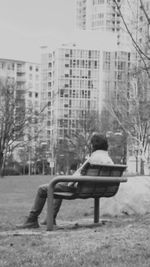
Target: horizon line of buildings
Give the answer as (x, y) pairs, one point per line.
(70, 81)
(81, 75)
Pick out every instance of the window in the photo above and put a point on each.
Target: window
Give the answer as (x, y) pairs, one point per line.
(1, 65)
(30, 67)
(61, 123)
(89, 74)
(100, 15)
(95, 64)
(97, 2)
(73, 93)
(61, 92)
(107, 55)
(106, 65)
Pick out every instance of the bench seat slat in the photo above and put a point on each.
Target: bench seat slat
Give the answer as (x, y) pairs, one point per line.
(92, 191)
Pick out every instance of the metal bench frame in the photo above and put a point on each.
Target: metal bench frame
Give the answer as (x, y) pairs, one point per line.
(71, 178)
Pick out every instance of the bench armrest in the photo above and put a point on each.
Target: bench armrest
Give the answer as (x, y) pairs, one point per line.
(78, 178)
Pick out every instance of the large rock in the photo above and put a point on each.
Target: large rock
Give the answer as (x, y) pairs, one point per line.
(133, 197)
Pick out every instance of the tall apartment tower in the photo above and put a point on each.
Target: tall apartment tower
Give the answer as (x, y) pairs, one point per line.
(143, 42)
(97, 15)
(70, 82)
(143, 24)
(102, 15)
(77, 80)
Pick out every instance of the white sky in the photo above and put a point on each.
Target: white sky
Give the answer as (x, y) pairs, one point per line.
(25, 25)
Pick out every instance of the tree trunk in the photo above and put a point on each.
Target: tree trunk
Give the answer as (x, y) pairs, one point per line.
(142, 167)
(1, 164)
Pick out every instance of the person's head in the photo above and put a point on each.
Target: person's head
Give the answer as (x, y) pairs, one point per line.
(99, 142)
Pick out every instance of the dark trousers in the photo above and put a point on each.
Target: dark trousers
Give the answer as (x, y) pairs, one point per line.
(41, 197)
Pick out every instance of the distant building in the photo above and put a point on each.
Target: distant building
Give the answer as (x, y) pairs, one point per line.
(97, 15)
(26, 76)
(129, 22)
(77, 80)
(103, 15)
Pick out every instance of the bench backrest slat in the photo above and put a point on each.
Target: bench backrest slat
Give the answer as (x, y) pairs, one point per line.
(97, 189)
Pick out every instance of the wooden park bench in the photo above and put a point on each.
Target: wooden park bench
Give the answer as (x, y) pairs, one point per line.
(97, 181)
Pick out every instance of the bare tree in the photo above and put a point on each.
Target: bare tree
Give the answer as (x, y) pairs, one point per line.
(12, 122)
(139, 17)
(15, 118)
(132, 115)
(133, 110)
(76, 146)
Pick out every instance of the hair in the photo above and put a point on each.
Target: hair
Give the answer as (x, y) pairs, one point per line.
(99, 142)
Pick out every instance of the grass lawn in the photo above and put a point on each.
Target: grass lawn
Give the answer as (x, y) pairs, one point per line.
(122, 241)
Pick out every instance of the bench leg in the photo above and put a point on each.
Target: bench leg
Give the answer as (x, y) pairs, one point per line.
(50, 208)
(96, 210)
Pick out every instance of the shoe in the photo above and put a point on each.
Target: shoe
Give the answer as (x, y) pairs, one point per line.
(45, 222)
(29, 224)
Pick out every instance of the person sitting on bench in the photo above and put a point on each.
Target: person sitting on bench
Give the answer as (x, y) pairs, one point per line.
(99, 155)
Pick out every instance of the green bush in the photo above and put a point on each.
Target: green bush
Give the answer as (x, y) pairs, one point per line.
(10, 171)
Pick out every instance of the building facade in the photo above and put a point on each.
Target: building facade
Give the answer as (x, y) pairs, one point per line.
(77, 81)
(118, 16)
(26, 76)
(70, 82)
(103, 15)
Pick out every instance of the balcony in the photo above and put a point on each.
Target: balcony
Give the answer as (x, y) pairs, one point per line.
(20, 69)
(20, 79)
